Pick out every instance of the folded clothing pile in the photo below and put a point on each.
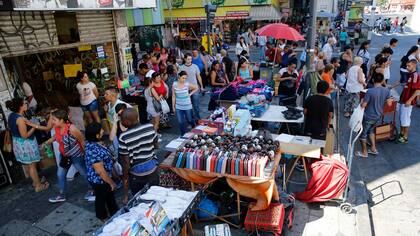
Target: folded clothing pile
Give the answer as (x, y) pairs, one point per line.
(175, 202)
(292, 113)
(257, 87)
(166, 201)
(256, 104)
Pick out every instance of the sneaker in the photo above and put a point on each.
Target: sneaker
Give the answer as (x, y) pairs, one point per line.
(58, 198)
(90, 197)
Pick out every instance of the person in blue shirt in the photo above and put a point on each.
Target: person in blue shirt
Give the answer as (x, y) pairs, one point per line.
(343, 36)
(99, 164)
(373, 105)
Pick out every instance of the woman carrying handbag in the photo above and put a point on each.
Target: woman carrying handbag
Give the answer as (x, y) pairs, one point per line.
(71, 145)
(155, 102)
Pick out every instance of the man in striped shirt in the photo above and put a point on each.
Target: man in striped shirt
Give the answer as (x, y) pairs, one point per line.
(136, 150)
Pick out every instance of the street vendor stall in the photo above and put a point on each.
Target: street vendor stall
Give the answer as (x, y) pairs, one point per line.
(154, 210)
(256, 180)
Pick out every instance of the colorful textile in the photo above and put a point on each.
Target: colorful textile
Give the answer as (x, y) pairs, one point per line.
(26, 150)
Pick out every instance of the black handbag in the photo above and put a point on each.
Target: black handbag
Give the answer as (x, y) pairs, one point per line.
(65, 162)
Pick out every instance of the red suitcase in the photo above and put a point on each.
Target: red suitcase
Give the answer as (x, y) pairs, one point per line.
(269, 220)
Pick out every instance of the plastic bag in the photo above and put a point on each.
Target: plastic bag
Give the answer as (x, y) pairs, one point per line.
(356, 119)
(164, 105)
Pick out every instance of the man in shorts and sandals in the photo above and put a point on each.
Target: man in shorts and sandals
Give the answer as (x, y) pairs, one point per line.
(408, 99)
(373, 103)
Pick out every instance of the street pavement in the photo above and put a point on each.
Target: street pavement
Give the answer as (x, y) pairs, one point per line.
(384, 189)
(392, 177)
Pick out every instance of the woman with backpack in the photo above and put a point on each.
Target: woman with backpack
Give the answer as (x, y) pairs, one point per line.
(411, 55)
(71, 145)
(364, 54)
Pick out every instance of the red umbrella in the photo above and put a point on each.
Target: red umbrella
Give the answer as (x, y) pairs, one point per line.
(280, 31)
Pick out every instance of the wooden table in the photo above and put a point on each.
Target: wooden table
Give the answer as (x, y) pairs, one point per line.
(261, 182)
(302, 151)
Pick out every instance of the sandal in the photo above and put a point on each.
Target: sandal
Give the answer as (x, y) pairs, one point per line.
(360, 154)
(346, 115)
(42, 187)
(370, 151)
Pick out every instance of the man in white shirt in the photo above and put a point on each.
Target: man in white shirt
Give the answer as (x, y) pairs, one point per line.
(29, 96)
(111, 97)
(327, 49)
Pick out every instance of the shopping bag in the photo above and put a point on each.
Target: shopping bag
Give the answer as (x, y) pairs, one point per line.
(164, 105)
(157, 105)
(7, 144)
(356, 119)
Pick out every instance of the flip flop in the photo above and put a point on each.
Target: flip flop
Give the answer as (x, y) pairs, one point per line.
(370, 151)
(360, 154)
(42, 187)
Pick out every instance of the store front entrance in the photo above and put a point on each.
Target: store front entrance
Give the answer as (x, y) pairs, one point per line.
(52, 75)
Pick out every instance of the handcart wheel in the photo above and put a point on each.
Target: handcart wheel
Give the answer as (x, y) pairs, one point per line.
(346, 207)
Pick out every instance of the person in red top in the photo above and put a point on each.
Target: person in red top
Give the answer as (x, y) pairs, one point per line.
(162, 90)
(270, 53)
(408, 98)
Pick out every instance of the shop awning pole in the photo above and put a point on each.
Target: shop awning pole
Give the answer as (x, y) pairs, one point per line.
(311, 36)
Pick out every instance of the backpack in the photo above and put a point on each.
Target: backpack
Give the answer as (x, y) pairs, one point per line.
(404, 61)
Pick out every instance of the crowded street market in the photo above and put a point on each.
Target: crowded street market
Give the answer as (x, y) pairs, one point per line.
(224, 121)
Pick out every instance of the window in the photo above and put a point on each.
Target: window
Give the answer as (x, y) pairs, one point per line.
(66, 24)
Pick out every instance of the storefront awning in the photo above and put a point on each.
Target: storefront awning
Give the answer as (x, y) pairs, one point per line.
(264, 13)
(222, 13)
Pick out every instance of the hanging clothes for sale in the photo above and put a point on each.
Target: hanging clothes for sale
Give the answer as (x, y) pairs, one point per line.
(329, 179)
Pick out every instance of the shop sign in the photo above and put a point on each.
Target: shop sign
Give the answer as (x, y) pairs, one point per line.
(82, 4)
(84, 48)
(195, 3)
(101, 52)
(48, 75)
(127, 53)
(237, 14)
(70, 70)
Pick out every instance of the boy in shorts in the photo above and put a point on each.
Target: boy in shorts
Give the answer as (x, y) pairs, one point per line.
(373, 103)
(408, 99)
